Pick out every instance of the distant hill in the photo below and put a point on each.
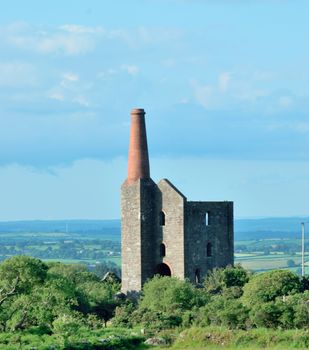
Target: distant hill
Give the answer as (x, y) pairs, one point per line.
(245, 229)
(269, 228)
(73, 226)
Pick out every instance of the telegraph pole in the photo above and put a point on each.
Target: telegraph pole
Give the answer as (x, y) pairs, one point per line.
(303, 249)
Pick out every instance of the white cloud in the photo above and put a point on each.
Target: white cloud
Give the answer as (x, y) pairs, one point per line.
(169, 62)
(203, 93)
(56, 96)
(224, 79)
(130, 69)
(260, 75)
(251, 94)
(71, 89)
(13, 74)
(302, 127)
(285, 101)
(81, 100)
(107, 74)
(78, 29)
(70, 77)
(60, 44)
(67, 39)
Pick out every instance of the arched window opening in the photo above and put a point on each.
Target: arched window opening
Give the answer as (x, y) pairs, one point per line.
(197, 276)
(207, 218)
(209, 249)
(162, 250)
(162, 218)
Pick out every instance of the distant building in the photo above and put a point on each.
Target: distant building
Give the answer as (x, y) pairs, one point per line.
(162, 232)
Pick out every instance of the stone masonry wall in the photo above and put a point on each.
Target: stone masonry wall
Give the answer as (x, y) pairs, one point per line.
(172, 233)
(218, 233)
(137, 233)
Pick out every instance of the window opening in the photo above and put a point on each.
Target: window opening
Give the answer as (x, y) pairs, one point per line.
(209, 249)
(197, 276)
(207, 218)
(162, 250)
(162, 218)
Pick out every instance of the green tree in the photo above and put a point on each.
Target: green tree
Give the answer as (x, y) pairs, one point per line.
(223, 311)
(266, 315)
(76, 273)
(56, 297)
(267, 286)
(123, 314)
(221, 278)
(101, 298)
(168, 294)
(20, 274)
(294, 310)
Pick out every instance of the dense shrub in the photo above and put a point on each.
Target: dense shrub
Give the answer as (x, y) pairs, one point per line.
(123, 315)
(294, 311)
(220, 279)
(35, 294)
(169, 294)
(267, 286)
(221, 311)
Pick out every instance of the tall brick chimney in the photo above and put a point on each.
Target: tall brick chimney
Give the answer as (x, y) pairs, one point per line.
(138, 166)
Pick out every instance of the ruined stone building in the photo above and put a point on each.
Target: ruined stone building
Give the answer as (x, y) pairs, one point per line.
(162, 232)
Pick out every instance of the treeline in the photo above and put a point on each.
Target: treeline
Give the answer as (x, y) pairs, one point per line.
(267, 247)
(230, 297)
(67, 307)
(57, 306)
(62, 249)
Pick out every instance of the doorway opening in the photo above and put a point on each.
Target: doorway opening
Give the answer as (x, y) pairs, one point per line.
(163, 270)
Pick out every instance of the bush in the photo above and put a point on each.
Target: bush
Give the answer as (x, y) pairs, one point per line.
(221, 278)
(123, 315)
(230, 313)
(169, 294)
(267, 286)
(295, 311)
(266, 315)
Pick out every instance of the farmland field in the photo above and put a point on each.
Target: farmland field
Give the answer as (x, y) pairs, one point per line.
(260, 245)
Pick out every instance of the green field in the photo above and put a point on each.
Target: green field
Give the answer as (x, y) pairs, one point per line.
(90, 248)
(259, 262)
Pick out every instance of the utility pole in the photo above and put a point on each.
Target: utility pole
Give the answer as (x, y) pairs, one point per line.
(303, 249)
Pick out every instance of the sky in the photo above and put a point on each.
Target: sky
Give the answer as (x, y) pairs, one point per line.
(224, 85)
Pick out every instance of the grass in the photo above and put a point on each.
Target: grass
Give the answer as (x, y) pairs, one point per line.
(82, 338)
(255, 339)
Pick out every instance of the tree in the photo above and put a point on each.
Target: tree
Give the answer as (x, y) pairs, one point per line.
(222, 311)
(58, 296)
(20, 274)
(168, 294)
(106, 266)
(294, 310)
(266, 315)
(221, 278)
(76, 273)
(100, 296)
(267, 286)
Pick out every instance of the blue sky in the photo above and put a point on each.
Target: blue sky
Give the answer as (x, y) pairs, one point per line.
(224, 85)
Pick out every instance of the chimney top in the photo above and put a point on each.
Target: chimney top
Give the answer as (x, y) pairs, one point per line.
(138, 165)
(138, 111)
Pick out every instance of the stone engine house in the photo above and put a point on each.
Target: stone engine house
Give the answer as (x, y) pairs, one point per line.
(164, 233)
